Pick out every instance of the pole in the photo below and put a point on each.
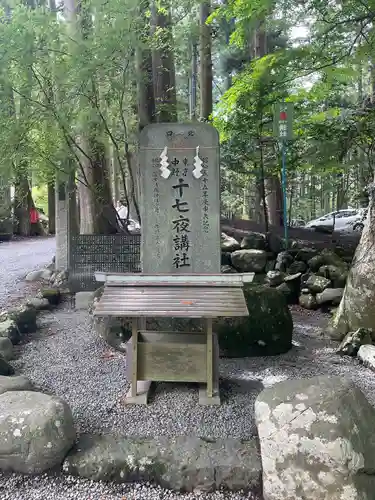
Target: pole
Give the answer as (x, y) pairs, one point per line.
(285, 214)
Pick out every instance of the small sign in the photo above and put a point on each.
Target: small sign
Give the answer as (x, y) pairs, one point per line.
(283, 121)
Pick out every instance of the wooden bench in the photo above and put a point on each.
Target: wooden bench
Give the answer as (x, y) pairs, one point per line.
(172, 356)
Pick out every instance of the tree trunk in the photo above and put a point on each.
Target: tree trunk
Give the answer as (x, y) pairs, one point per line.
(193, 82)
(146, 98)
(115, 175)
(23, 203)
(51, 208)
(105, 218)
(357, 307)
(164, 77)
(274, 200)
(97, 213)
(205, 61)
(259, 212)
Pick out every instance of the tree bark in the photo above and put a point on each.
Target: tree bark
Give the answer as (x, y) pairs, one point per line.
(357, 307)
(23, 203)
(193, 81)
(206, 103)
(274, 200)
(51, 208)
(97, 213)
(146, 98)
(164, 76)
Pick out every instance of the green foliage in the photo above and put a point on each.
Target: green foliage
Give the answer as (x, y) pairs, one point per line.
(68, 78)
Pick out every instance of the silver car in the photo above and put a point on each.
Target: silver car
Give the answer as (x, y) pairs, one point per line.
(342, 220)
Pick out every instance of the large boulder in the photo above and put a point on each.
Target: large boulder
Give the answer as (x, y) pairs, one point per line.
(5, 368)
(366, 354)
(298, 266)
(327, 258)
(254, 241)
(274, 278)
(317, 440)
(307, 301)
(275, 243)
(249, 261)
(316, 284)
(41, 274)
(338, 275)
(229, 244)
(184, 463)
(330, 296)
(315, 263)
(34, 275)
(283, 261)
(9, 330)
(36, 431)
(305, 254)
(53, 295)
(6, 348)
(15, 383)
(24, 317)
(332, 259)
(38, 303)
(266, 331)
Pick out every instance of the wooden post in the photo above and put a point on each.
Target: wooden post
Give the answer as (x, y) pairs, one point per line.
(135, 356)
(209, 357)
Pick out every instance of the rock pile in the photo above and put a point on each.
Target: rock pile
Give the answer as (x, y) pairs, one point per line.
(304, 275)
(21, 320)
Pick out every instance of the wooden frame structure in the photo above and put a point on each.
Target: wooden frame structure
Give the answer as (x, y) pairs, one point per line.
(172, 356)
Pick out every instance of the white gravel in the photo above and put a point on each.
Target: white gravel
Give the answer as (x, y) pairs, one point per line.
(49, 487)
(67, 359)
(17, 258)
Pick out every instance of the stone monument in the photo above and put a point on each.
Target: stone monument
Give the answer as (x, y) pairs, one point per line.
(180, 192)
(179, 177)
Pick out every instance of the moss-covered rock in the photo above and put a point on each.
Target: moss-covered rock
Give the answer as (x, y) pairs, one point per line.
(266, 331)
(5, 368)
(308, 301)
(53, 295)
(25, 318)
(9, 329)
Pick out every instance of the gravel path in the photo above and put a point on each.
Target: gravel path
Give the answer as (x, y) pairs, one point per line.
(67, 359)
(17, 258)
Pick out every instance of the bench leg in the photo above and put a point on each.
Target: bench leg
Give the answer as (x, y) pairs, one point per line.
(209, 356)
(209, 393)
(139, 389)
(134, 357)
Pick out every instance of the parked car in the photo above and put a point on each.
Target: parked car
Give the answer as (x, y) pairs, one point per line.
(359, 225)
(131, 225)
(297, 223)
(342, 220)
